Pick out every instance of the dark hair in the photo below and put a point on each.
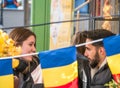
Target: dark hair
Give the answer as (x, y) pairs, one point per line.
(99, 34)
(80, 37)
(20, 34)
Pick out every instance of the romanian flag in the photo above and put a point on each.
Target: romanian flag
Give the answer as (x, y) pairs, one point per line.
(112, 46)
(59, 68)
(6, 73)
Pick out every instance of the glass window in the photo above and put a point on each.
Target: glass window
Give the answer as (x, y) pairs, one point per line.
(84, 9)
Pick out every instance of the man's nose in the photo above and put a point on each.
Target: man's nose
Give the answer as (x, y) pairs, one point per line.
(85, 53)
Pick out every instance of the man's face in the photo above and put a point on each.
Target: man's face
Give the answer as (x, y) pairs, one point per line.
(91, 52)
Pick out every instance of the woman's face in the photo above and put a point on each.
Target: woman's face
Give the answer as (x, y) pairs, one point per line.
(28, 47)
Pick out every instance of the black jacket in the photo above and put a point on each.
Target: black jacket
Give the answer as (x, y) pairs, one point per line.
(83, 72)
(102, 76)
(27, 78)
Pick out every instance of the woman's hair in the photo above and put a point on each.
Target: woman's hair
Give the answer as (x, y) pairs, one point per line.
(80, 37)
(20, 34)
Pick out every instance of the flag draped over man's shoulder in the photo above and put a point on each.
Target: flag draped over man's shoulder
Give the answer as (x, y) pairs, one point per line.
(6, 73)
(112, 46)
(59, 68)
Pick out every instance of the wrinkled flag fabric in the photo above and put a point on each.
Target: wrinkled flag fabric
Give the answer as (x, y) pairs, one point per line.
(112, 47)
(6, 74)
(59, 68)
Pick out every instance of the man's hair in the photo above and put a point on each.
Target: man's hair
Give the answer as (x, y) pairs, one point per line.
(99, 34)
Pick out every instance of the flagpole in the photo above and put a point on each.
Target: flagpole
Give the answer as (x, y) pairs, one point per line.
(23, 55)
(89, 42)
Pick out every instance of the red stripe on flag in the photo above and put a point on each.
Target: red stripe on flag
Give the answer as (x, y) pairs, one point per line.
(116, 77)
(73, 84)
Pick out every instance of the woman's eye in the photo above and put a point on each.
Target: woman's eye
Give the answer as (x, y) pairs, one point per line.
(30, 44)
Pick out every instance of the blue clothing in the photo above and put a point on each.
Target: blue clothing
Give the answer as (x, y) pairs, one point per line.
(10, 4)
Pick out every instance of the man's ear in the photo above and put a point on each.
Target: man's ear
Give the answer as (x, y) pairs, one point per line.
(102, 51)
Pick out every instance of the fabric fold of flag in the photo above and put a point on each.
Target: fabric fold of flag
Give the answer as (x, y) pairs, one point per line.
(112, 47)
(6, 73)
(59, 68)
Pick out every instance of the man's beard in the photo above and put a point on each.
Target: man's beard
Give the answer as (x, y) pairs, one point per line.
(95, 61)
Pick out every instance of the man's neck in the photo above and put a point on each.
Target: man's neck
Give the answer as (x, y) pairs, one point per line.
(103, 63)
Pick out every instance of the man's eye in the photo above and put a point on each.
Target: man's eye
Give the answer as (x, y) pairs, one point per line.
(87, 48)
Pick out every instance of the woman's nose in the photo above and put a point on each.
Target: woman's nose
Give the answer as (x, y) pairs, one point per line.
(33, 49)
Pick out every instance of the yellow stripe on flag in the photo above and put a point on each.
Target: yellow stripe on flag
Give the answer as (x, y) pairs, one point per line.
(60, 75)
(114, 63)
(6, 81)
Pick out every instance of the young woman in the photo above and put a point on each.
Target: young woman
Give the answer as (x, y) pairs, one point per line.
(28, 73)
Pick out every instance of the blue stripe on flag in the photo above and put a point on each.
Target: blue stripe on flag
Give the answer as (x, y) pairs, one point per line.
(5, 67)
(112, 45)
(58, 57)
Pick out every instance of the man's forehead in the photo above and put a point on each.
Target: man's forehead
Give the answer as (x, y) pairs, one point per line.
(90, 44)
(88, 40)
